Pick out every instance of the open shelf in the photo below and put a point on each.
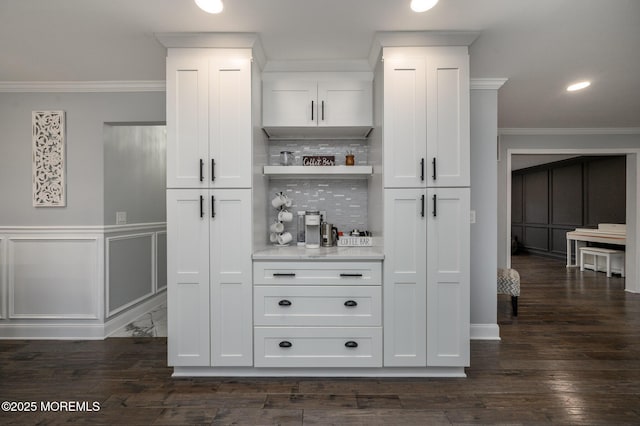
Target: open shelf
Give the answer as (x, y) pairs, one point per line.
(310, 172)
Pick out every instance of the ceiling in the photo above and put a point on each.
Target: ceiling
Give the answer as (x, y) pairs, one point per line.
(540, 46)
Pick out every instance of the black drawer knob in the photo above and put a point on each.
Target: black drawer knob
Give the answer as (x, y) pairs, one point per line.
(284, 302)
(351, 344)
(285, 344)
(350, 303)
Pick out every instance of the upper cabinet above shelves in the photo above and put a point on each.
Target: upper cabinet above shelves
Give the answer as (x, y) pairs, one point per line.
(338, 105)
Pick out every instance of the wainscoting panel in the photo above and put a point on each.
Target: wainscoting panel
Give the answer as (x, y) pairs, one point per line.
(130, 271)
(161, 260)
(54, 277)
(3, 279)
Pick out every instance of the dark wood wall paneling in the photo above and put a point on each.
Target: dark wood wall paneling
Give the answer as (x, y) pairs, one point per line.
(551, 199)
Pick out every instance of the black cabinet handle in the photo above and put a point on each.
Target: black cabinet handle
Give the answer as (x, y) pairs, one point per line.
(201, 206)
(311, 110)
(213, 170)
(351, 344)
(350, 275)
(201, 170)
(435, 206)
(285, 344)
(284, 302)
(280, 274)
(422, 209)
(422, 170)
(322, 110)
(433, 163)
(213, 207)
(350, 303)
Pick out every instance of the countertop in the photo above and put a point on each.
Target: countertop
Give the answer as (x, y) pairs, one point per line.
(294, 252)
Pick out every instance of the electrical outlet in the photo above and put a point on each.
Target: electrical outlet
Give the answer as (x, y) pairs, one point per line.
(472, 216)
(121, 218)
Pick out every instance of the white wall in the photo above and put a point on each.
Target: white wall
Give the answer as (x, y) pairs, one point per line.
(484, 197)
(135, 163)
(86, 114)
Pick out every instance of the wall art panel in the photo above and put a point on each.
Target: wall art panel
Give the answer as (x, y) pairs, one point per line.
(49, 183)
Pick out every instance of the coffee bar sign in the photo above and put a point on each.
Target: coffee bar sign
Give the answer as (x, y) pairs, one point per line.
(319, 160)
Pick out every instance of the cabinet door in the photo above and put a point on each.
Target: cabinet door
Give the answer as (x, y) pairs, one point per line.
(187, 122)
(229, 159)
(448, 148)
(405, 281)
(187, 278)
(448, 277)
(345, 103)
(405, 128)
(289, 102)
(231, 288)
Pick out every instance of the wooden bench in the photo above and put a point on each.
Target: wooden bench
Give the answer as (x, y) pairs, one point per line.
(614, 260)
(509, 283)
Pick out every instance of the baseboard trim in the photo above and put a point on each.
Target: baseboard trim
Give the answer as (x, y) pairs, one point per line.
(485, 332)
(52, 331)
(318, 372)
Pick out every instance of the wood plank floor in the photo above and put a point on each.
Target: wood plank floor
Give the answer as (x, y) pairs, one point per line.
(572, 356)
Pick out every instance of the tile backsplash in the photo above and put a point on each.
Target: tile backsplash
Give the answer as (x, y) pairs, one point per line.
(344, 200)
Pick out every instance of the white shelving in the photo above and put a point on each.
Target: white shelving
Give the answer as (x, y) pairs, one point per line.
(310, 172)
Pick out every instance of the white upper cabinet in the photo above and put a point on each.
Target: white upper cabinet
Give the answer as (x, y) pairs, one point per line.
(209, 120)
(295, 104)
(426, 117)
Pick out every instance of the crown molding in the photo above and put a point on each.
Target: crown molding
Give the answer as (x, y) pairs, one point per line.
(570, 131)
(220, 40)
(487, 83)
(82, 86)
(418, 38)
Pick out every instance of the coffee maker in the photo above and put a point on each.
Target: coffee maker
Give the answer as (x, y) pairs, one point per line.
(312, 229)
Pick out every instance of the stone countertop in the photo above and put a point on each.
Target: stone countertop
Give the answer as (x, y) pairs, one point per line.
(295, 252)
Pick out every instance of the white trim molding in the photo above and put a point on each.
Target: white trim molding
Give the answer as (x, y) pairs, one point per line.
(82, 86)
(3, 278)
(569, 131)
(487, 83)
(485, 332)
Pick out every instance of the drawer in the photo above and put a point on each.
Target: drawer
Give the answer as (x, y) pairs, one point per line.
(317, 273)
(317, 305)
(318, 346)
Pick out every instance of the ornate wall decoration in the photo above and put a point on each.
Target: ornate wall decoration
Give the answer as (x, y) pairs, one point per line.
(49, 181)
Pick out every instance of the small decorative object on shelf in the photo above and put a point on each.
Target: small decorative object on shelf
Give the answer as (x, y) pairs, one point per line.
(319, 160)
(349, 159)
(356, 239)
(278, 235)
(286, 158)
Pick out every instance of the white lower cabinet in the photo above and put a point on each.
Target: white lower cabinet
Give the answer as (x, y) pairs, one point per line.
(426, 277)
(318, 347)
(300, 323)
(209, 277)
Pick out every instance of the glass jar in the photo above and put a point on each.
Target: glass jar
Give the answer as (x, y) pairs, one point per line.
(286, 158)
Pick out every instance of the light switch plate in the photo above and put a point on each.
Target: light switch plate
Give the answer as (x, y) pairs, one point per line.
(121, 218)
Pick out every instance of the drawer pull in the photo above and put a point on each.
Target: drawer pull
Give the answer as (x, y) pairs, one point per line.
(351, 344)
(351, 275)
(350, 303)
(288, 274)
(284, 302)
(286, 344)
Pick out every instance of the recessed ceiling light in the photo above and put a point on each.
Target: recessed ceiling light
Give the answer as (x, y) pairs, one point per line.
(422, 5)
(578, 86)
(210, 6)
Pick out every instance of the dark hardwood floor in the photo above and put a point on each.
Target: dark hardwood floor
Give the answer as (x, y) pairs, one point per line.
(572, 356)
